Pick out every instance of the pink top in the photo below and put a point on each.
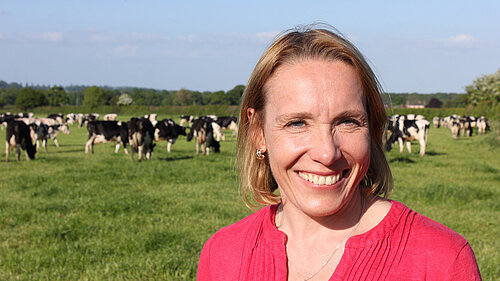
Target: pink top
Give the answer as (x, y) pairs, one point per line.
(405, 245)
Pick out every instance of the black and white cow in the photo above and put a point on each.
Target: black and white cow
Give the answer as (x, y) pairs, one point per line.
(482, 125)
(107, 131)
(168, 130)
(228, 123)
(403, 130)
(88, 118)
(4, 119)
(40, 132)
(141, 135)
(58, 117)
(202, 130)
(18, 136)
(110, 117)
(186, 119)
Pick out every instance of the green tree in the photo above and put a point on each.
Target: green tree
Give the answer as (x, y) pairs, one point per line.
(485, 89)
(124, 99)
(57, 96)
(29, 98)
(234, 95)
(96, 96)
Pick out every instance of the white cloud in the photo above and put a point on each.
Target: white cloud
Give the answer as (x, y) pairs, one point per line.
(461, 39)
(98, 38)
(126, 50)
(47, 36)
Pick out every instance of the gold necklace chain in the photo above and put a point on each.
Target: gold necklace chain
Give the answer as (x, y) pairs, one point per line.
(334, 251)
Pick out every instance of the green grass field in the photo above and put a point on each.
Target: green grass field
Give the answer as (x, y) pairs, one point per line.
(71, 216)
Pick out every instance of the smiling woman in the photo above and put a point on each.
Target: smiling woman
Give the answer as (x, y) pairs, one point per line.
(311, 126)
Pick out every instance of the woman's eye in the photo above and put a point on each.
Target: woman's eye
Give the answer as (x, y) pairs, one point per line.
(296, 124)
(349, 122)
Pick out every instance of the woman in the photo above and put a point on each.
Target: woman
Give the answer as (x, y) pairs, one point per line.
(311, 126)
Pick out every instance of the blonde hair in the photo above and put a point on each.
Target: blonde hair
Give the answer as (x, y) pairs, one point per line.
(256, 179)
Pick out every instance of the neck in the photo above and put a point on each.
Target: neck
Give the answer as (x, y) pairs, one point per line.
(298, 224)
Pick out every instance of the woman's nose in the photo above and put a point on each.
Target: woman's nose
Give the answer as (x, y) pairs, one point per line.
(324, 148)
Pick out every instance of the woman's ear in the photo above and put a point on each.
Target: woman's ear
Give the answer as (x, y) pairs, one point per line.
(256, 130)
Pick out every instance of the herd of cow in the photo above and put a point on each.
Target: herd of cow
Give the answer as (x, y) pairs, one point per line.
(406, 128)
(142, 133)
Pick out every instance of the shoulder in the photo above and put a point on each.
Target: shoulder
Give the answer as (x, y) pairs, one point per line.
(434, 234)
(236, 233)
(439, 250)
(223, 252)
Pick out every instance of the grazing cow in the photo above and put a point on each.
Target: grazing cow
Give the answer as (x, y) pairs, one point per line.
(168, 130)
(72, 117)
(88, 118)
(58, 117)
(202, 130)
(152, 117)
(467, 124)
(39, 132)
(110, 117)
(186, 119)
(4, 119)
(141, 135)
(107, 131)
(228, 123)
(18, 136)
(482, 125)
(407, 130)
(435, 122)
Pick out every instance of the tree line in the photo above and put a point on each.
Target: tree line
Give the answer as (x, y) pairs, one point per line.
(31, 96)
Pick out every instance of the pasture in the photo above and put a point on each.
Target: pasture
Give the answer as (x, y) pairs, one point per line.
(71, 216)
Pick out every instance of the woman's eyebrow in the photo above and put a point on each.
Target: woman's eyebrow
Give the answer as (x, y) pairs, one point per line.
(294, 115)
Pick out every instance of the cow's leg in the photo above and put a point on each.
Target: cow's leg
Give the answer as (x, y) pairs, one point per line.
(44, 144)
(57, 144)
(125, 148)
(7, 147)
(408, 146)
(400, 142)
(90, 144)
(117, 147)
(141, 151)
(169, 146)
(18, 153)
(422, 147)
(197, 148)
(132, 151)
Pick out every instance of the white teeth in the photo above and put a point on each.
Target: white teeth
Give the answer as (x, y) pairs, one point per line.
(320, 180)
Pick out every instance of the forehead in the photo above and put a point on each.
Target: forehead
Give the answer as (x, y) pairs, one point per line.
(316, 85)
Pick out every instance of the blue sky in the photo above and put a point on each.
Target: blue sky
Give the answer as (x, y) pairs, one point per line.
(419, 46)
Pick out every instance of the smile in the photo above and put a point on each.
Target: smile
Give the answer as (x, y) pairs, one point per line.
(320, 180)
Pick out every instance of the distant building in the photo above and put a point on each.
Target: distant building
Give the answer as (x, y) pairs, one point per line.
(419, 105)
(434, 103)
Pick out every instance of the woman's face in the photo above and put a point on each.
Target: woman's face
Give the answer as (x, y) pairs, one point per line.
(316, 135)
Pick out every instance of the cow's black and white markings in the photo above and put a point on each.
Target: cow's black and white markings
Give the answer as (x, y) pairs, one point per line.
(107, 131)
(110, 117)
(58, 117)
(403, 130)
(141, 135)
(169, 131)
(18, 136)
(186, 119)
(228, 123)
(482, 125)
(203, 132)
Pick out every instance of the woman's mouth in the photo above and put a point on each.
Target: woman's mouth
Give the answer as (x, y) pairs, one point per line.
(322, 180)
